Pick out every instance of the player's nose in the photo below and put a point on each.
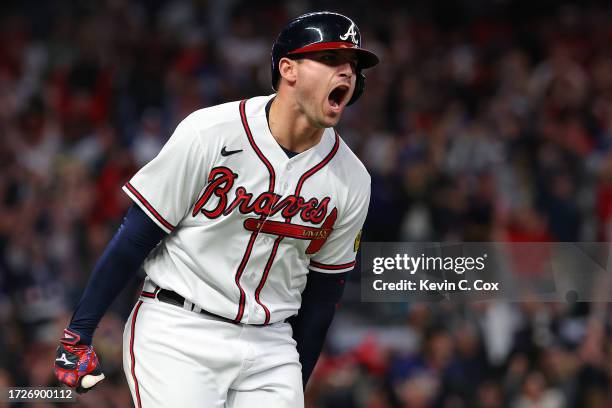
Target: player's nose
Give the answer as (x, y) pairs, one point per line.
(347, 69)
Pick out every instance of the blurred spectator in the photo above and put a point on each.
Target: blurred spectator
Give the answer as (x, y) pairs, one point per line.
(536, 395)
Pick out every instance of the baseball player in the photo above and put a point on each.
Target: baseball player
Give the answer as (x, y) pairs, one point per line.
(246, 224)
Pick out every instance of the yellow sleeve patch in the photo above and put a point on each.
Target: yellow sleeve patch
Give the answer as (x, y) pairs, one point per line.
(357, 241)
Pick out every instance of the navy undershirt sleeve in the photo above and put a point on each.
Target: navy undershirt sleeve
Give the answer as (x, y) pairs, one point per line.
(122, 258)
(319, 301)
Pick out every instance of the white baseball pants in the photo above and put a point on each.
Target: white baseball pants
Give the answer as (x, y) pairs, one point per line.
(173, 357)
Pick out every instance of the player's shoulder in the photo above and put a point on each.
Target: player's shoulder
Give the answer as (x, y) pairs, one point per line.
(213, 116)
(351, 165)
(228, 113)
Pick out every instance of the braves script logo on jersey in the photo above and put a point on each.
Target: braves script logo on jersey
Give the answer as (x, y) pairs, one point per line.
(221, 180)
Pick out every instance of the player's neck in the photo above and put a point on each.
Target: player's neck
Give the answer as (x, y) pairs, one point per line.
(291, 128)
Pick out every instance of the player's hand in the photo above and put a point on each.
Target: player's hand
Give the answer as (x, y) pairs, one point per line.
(77, 365)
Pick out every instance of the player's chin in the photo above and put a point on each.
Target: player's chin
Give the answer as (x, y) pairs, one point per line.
(330, 120)
(332, 114)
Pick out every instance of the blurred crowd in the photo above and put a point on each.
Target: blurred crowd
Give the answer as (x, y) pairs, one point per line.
(485, 121)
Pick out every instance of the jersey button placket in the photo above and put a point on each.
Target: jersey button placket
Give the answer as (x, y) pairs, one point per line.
(285, 184)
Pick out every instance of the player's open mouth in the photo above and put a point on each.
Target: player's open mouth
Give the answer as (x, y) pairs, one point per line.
(338, 95)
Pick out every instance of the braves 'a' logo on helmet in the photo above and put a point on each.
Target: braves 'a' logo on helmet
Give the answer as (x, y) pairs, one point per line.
(350, 33)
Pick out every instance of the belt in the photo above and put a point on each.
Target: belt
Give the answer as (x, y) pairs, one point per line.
(173, 298)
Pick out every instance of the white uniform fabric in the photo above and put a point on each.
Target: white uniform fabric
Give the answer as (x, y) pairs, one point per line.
(238, 211)
(208, 363)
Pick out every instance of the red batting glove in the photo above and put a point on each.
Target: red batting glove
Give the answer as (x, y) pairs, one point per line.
(77, 365)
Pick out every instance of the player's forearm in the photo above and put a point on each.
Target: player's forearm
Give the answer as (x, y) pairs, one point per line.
(309, 331)
(310, 326)
(122, 258)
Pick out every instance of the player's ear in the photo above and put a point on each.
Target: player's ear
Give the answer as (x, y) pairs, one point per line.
(288, 69)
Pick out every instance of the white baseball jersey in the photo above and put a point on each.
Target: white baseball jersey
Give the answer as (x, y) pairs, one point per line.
(245, 221)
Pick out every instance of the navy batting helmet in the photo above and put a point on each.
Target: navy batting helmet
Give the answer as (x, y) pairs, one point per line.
(320, 31)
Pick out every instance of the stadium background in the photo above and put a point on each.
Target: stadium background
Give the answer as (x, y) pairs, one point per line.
(488, 120)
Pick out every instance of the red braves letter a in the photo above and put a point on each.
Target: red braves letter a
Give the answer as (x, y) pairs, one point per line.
(220, 181)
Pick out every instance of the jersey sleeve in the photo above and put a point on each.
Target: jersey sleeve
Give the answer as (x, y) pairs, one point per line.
(339, 251)
(168, 186)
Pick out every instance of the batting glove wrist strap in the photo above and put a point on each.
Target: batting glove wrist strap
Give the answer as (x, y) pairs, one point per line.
(77, 365)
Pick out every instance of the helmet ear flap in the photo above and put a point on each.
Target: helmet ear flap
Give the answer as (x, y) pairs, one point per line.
(360, 85)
